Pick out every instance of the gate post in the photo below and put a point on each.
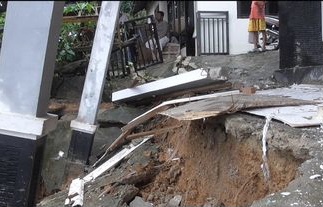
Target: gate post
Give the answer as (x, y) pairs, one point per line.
(84, 126)
(27, 62)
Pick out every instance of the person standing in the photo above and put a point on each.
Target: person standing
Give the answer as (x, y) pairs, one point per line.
(257, 24)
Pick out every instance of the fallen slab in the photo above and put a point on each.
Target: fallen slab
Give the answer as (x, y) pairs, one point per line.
(76, 190)
(295, 116)
(229, 104)
(192, 79)
(151, 113)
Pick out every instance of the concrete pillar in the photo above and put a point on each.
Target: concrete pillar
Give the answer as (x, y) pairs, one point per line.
(27, 60)
(84, 126)
(300, 34)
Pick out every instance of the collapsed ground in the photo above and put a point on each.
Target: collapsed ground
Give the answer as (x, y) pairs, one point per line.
(211, 162)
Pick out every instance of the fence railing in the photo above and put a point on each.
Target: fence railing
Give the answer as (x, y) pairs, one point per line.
(212, 32)
(138, 44)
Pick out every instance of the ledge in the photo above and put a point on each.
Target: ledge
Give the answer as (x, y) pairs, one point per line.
(28, 127)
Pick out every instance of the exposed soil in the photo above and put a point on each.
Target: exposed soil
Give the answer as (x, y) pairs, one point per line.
(216, 167)
(210, 162)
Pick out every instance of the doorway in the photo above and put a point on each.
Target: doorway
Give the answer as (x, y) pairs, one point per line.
(181, 21)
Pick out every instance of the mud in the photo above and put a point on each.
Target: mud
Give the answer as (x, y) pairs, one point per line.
(213, 164)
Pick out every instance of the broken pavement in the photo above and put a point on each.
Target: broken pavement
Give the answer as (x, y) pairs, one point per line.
(185, 163)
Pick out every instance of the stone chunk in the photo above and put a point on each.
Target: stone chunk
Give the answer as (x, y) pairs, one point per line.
(174, 202)
(139, 202)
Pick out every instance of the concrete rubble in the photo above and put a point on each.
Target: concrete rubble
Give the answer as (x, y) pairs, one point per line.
(211, 161)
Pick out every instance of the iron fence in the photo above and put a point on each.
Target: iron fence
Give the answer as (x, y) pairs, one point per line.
(212, 32)
(138, 44)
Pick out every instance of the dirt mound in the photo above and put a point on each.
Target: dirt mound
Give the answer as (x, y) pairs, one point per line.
(205, 163)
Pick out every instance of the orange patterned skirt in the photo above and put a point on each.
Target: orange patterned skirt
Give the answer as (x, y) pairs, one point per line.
(256, 25)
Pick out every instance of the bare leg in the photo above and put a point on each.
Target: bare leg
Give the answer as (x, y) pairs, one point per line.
(264, 39)
(255, 40)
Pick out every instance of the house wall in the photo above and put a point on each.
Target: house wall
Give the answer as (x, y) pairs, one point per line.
(238, 28)
(151, 6)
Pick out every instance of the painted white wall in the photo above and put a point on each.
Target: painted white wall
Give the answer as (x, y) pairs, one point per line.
(238, 28)
(151, 6)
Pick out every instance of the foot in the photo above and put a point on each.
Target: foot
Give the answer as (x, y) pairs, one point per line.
(254, 50)
(263, 49)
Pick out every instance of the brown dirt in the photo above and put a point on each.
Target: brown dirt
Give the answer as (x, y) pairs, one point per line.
(65, 107)
(215, 167)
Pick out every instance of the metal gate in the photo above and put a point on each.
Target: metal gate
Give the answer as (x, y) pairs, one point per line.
(212, 32)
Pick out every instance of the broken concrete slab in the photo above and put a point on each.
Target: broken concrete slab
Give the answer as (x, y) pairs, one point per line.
(192, 65)
(139, 202)
(181, 71)
(295, 116)
(152, 112)
(77, 197)
(187, 80)
(301, 91)
(240, 127)
(96, 191)
(228, 104)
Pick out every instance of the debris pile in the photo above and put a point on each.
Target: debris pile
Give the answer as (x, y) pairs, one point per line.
(208, 149)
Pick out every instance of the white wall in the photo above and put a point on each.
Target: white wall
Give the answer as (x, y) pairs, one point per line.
(151, 6)
(238, 28)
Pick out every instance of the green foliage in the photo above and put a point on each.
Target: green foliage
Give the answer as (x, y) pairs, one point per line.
(127, 7)
(80, 8)
(66, 43)
(70, 32)
(2, 19)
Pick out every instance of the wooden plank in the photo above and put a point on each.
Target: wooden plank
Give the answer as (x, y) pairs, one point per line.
(76, 19)
(76, 189)
(165, 105)
(228, 104)
(152, 112)
(112, 161)
(192, 79)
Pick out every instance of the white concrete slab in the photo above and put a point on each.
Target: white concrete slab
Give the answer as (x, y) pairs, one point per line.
(301, 91)
(295, 116)
(187, 80)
